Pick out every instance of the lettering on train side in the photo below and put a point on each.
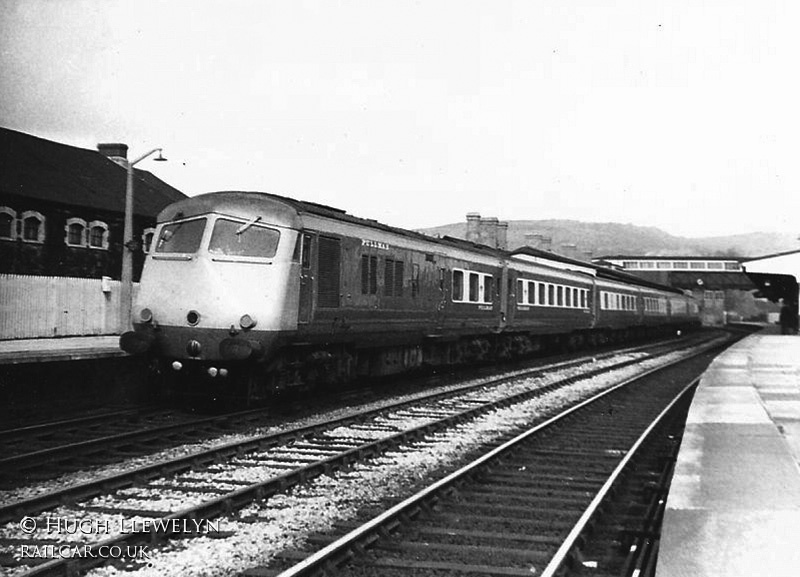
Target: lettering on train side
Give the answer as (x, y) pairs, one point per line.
(374, 244)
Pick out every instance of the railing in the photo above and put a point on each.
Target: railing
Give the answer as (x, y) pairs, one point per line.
(43, 306)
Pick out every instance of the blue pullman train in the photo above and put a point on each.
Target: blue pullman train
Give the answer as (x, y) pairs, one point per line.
(255, 292)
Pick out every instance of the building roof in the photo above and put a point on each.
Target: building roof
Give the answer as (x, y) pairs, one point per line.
(45, 170)
(774, 255)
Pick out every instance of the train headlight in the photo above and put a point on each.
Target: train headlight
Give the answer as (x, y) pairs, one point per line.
(193, 317)
(146, 315)
(247, 322)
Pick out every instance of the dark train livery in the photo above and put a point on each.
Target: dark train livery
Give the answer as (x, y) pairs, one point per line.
(270, 292)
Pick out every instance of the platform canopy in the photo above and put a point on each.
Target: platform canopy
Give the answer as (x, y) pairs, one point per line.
(775, 275)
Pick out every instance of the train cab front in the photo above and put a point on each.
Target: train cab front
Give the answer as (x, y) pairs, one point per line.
(215, 291)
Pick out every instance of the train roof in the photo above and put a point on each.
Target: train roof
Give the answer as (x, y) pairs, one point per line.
(211, 201)
(612, 274)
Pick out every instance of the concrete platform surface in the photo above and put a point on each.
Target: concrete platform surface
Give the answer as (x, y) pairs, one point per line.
(734, 505)
(59, 349)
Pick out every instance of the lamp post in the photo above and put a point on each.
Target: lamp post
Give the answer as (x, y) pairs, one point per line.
(128, 246)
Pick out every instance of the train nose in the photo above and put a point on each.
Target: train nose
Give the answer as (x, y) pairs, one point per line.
(193, 348)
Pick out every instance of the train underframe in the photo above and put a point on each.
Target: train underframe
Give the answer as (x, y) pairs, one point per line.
(330, 365)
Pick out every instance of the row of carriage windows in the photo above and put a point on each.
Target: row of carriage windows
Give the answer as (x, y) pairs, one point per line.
(551, 295)
(29, 227)
(393, 276)
(655, 305)
(468, 286)
(472, 287)
(611, 301)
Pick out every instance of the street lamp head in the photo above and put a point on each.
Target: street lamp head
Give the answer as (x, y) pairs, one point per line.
(159, 158)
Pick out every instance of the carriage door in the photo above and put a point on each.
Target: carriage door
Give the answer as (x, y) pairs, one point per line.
(306, 280)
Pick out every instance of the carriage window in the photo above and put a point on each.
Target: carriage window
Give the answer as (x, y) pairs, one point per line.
(182, 237)
(369, 274)
(398, 278)
(235, 238)
(458, 285)
(306, 258)
(298, 248)
(583, 298)
(520, 291)
(531, 293)
(388, 277)
(393, 278)
(541, 294)
(569, 297)
(473, 287)
(551, 294)
(414, 280)
(488, 289)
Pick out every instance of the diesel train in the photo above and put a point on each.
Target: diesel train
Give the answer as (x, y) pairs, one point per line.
(251, 293)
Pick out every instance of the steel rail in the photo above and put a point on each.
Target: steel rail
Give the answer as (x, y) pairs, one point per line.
(571, 540)
(95, 487)
(360, 537)
(94, 445)
(41, 427)
(238, 498)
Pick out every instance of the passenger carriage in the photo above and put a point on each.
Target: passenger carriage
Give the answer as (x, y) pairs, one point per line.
(275, 292)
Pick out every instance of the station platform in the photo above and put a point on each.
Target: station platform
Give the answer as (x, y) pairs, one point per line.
(24, 351)
(734, 504)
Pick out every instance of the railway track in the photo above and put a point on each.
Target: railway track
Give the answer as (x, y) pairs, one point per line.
(193, 487)
(48, 450)
(579, 494)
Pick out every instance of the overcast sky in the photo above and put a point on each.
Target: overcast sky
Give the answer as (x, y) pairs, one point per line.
(680, 114)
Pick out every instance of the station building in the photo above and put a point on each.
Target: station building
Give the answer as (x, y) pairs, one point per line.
(62, 208)
(62, 218)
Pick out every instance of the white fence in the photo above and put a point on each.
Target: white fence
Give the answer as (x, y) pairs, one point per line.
(40, 306)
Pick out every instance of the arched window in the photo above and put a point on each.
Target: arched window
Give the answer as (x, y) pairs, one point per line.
(98, 234)
(76, 232)
(147, 239)
(32, 226)
(8, 223)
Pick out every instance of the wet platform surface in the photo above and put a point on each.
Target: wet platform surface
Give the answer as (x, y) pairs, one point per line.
(734, 505)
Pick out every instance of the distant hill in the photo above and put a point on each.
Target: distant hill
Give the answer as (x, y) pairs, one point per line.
(608, 238)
